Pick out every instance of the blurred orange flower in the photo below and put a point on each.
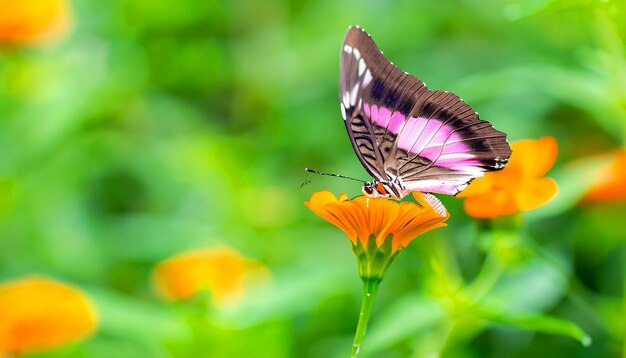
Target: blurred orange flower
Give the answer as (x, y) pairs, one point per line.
(38, 313)
(519, 186)
(30, 21)
(611, 181)
(219, 270)
(379, 219)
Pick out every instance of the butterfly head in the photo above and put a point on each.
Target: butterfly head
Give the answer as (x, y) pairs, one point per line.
(376, 189)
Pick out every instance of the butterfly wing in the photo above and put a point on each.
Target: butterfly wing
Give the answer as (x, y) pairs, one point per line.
(353, 81)
(429, 141)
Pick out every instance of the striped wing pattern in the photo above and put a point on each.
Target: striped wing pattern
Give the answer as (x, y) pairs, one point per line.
(403, 133)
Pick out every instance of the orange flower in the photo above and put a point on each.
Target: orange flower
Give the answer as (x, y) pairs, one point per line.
(519, 186)
(30, 21)
(38, 313)
(378, 225)
(378, 229)
(219, 270)
(611, 181)
(363, 218)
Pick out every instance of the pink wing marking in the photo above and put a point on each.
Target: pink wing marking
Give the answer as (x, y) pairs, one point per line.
(383, 117)
(397, 121)
(434, 134)
(366, 109)
(412, 129)
(426, 137)
(432, 139)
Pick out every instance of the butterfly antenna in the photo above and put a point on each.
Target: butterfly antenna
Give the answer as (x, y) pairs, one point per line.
(330, 175)
(306, 181)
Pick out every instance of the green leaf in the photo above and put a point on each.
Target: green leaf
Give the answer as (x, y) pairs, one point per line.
(545, 324)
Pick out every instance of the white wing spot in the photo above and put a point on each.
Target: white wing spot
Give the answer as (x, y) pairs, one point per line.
(343, 111)
(368, 78)
(347, 49)
(356, 53)
(355, 89)
(346, 99)
(361, 66)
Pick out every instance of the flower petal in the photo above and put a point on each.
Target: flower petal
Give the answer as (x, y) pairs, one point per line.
(610, 185)
(30, 21)
(363, 217)
(412, 221)
(39, 313)
(490, 205)
(346, 216)
(533, 157)
(517, 186)
(220, 270)
(320, 203)
(321, 198)
(534, 193)
(478, 186)
(388, 211)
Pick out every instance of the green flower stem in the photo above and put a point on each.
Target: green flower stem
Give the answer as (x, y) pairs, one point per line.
(370, 288)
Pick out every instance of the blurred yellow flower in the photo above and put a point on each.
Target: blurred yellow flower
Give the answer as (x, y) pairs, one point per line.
(372, 223)
(519, 186)
(38, 313)
(30, 21)
(611, 181)
(221, 271)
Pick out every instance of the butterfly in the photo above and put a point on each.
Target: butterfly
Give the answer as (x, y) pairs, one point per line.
(408, 137)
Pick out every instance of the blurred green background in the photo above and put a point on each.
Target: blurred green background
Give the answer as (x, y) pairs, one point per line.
(157, 127)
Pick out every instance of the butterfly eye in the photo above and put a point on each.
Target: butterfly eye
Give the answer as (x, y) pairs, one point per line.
(367, 189)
